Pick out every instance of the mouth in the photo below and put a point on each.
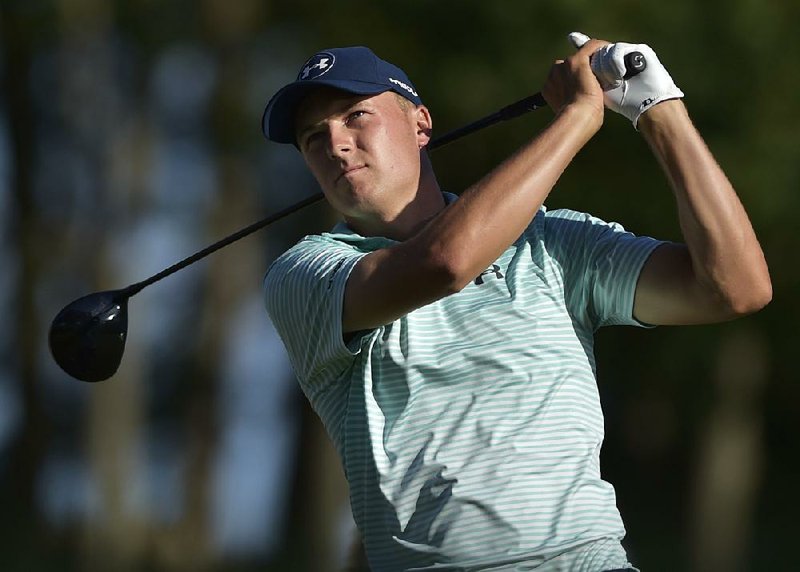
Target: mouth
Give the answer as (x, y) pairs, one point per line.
(345, 174)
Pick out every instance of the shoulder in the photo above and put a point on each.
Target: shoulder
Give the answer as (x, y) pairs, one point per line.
(309, 253)
(561, 224)
(306, 270)
(564, 216)
(550, 227)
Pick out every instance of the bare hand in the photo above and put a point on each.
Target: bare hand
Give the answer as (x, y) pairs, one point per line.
(571, 82)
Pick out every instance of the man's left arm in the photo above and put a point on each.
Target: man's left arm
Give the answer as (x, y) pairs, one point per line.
(720, 273)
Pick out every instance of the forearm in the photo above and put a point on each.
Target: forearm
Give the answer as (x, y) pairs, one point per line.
(491, 214)
(726, 258)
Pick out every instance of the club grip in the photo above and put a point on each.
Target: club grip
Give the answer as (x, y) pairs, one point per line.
(635, 63)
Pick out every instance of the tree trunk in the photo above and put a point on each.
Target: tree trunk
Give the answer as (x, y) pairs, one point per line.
(23, 528)
(731, 457)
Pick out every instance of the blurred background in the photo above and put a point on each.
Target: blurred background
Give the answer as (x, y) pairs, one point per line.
(130, 138)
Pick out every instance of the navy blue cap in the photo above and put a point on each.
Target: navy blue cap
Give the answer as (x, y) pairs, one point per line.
(353, 69)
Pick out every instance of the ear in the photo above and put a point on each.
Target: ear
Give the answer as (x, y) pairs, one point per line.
(424, 125)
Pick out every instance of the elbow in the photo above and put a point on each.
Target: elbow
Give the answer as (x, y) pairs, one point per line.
(757, 300)
(450, 271)
(751, 299)
(453, 279)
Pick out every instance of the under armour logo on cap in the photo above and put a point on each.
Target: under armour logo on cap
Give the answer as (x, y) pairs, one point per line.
(319, 64)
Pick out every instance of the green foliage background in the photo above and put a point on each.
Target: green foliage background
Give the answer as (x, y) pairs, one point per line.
(737, 62)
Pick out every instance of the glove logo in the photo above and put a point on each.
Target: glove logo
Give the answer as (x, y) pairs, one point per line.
(318, 65)
(645, 103)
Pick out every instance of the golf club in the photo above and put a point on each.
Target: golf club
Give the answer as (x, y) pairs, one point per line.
(87, 337)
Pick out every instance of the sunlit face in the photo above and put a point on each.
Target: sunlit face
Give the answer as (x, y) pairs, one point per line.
(364, 151)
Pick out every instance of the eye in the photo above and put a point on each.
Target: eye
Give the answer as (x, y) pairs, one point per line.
(311, 138)
(354, 116)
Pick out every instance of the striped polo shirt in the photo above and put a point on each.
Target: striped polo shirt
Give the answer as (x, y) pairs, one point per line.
(470, 429)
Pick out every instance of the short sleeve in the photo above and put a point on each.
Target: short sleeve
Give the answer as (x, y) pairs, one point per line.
(601, 262)
(304, 295)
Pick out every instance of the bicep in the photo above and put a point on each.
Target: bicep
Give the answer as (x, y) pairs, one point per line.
(668, 292)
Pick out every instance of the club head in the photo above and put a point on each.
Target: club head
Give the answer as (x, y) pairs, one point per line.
(87, 337)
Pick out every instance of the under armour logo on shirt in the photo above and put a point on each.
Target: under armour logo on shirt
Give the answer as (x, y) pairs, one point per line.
(495, 269)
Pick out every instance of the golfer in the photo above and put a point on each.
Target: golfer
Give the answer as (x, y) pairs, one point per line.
(446, 342)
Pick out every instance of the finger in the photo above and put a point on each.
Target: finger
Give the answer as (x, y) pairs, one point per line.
(592, 46)
(582, 42)
(577, 39)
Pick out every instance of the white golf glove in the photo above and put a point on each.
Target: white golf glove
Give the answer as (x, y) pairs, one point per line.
(630, 97)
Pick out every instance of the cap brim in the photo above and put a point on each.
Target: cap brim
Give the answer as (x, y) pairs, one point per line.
(277, 123)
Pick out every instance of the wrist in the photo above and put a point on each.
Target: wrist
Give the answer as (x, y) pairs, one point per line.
(662, 117)
(584, 115)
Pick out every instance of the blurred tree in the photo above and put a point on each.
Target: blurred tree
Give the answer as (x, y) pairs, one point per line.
(23, 30)
(97, 154)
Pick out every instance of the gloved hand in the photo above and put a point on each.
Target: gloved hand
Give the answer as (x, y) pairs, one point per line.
(629, 97)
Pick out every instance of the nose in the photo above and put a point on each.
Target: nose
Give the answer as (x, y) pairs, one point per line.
(340, 141)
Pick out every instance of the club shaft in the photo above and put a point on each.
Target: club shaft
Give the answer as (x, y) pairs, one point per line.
(515, 109)
(246, 231)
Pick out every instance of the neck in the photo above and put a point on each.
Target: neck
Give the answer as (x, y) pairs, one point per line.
(411, 218)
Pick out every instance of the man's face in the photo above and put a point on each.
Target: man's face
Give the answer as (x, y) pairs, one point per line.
(363, 150)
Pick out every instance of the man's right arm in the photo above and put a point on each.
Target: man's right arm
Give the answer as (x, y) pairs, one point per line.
(471, 233)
